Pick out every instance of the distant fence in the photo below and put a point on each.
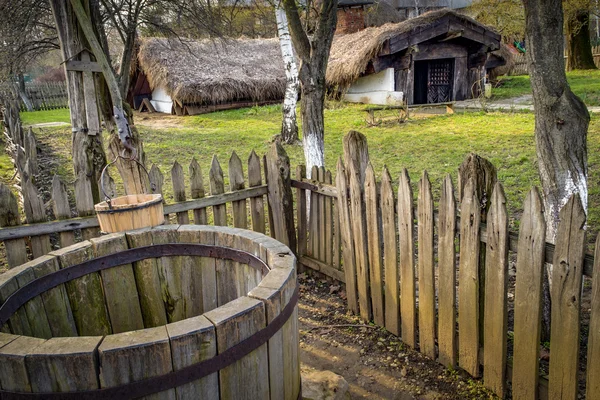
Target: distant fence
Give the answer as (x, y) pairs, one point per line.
(43, 96)
(520, 62)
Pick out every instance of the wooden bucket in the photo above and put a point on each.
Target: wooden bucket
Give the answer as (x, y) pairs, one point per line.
(134, 211)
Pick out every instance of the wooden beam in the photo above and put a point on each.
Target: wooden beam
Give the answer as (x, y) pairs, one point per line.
(83, 66)
(315, 186)
(323, 268)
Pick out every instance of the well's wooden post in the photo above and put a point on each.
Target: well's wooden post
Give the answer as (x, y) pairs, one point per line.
(280, 196)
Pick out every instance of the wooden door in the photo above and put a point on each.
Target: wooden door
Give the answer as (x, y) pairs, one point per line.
(440, 76)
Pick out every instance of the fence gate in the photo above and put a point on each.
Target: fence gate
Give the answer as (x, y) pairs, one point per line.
(440, 75)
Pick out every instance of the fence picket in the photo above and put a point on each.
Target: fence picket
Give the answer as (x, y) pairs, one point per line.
(447, 275)
(468, 289)
(236, 182)
(62, 210)
(301, 216)
(374, 245)
(321, 219)
(313, 243)
(496, 284)
(34, 212)
(197, 191)
(346, 236)
(426, 268)
(179, 191)
(328, 223)
(390, 255)
(156, 180)
(528, 300)
(567, 275)
(593, 355)
(257, 206)
(16, 250)
(407, 262)
(217, 186)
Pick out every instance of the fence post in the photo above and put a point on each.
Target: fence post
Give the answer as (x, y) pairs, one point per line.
(280, 195)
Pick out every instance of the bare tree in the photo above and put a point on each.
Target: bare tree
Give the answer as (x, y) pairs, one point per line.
(314, 53)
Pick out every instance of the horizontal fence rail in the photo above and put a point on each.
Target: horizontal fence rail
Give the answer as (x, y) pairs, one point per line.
(41, 96)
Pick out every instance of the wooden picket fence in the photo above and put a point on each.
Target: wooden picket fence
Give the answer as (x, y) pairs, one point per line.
(43, 96)
(520, 62)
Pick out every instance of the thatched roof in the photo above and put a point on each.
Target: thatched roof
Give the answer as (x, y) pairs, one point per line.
(214, 72)
(350, 54)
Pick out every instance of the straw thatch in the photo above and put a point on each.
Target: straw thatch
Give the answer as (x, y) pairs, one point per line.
(351, 53)
(506, 54)
(209, 72)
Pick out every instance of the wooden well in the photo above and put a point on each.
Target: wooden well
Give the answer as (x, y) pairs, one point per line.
(151, 307)
(129, 212)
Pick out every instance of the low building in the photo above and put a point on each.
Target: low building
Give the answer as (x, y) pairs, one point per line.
(437, 57)
(195, 77)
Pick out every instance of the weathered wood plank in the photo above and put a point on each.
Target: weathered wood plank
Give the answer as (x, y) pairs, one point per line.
(120, 291)
(257, 206)
(447, 276)
(156, 180)
(280, 196)
(229, 274)
(16, 251)
(89, 95)
(13, 370)
(322, 268)
(236, 182)
(593, 366)
(197, 191)
(62, 209)
(346, 235)
(408, 316)
(217, 186)
(496, 284)
(147, 279)
(301, 213)
(374, 245)
(85, 294)
(18, 322)
(35, 212)
(468, 289)
(269, 209)
(178, 181)
(170, 271)
(321, 220)
(567, 276)
(84, 203)
(390, 254)
(328, 222)
(194, 340)
(34, 310)
(133, 356)
(64, 365)
(528, 300)
(313, 224)
(426, 268)
(236, 321)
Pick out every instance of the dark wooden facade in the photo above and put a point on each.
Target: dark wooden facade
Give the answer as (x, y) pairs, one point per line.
(442, 61)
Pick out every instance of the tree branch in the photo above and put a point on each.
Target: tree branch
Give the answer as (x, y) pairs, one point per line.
(299, 36)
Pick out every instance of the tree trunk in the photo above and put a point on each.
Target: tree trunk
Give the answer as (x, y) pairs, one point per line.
(88, 153)
(579, 48)
(561, 118)
(289, 127)
(311, 110)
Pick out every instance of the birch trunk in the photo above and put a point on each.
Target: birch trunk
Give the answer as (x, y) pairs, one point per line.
(289, 127)
(311, 109)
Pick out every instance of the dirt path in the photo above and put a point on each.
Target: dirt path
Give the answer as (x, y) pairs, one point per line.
(374, 362)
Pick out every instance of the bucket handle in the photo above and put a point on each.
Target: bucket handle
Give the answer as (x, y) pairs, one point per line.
(122, 156)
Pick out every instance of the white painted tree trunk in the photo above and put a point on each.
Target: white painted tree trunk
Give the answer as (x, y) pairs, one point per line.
(289, 127)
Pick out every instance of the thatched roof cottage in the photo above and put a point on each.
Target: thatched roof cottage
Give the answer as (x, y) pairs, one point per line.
(437, 57)
(203, 76)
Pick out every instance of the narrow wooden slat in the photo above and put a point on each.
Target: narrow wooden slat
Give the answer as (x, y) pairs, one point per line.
(217, 186)
(170, 270)
(62, 210)
(426, 268)
(390, 255)
(13, 370)
(236, 182)
(18, 322)
(313, 224)
(528, 298)
(35, 212)
(408, 316)
(16, 251)
(323, 268)
(468, 288)
(321, 239)
(120, 291)
(567, 276)
(301, 216)
(269, 209)
(447, 276)
(178, 181)
(84, 203)
(346, 236)
(197, 191)
(361, 254)
(308, 184)
(337, 236)
(257, 207)
(593, 366)
(374, 245)
(34, 309)
(156, 180)
(229, 284)
(496, 286)
(328, 222)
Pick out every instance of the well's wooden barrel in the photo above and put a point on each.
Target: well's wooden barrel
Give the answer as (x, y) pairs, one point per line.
(176, 312)
(129, 212)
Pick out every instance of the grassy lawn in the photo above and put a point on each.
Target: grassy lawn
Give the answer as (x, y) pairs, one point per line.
(585, 84)
(40, 117)
(437, 144)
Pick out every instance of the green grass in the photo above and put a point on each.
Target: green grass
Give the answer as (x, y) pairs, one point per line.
(585, 84)
(40, 117)
(436, 144)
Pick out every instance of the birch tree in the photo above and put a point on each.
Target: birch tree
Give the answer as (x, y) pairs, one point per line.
(289, 127)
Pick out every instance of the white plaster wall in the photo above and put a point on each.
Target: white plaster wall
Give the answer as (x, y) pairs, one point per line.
(375, 89)
(161, 101)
